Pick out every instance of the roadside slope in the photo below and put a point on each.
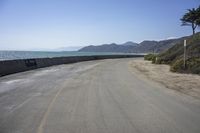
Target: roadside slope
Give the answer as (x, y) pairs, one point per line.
(174, 56)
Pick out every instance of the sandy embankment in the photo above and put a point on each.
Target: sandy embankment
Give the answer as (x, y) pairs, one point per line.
(185, 83)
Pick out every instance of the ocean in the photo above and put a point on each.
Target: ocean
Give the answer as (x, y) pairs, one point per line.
(12, 55)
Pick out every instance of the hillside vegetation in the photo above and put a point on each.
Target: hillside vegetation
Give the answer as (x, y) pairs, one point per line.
(174, 56)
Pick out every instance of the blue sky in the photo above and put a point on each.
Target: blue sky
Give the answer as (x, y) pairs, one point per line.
(49, 24)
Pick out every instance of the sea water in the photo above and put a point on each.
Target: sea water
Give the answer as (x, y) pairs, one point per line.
(12, 55)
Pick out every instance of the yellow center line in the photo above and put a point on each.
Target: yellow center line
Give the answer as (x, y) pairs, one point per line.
(43, 121)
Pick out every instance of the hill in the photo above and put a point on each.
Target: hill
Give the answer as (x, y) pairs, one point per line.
(174, 56)
(124, 48)
(130, 47)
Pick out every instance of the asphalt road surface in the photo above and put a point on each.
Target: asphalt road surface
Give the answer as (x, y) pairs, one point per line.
(102, 96)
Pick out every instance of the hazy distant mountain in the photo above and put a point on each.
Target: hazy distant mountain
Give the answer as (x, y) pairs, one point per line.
(131, 47)
(129, 43)
(70, 48)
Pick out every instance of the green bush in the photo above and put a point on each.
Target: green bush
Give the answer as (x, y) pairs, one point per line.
(177, 66)
(192, 66)
(150, 57)
(157, 60)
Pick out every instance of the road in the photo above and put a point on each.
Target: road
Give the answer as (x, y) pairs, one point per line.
(102, 96)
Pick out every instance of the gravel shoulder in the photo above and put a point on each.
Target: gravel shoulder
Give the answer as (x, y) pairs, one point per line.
(186, 83)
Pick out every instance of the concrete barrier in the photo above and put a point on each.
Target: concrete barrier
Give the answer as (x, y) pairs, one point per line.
(15, 66)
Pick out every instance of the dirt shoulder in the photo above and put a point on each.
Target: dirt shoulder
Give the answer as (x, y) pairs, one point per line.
(185, 83)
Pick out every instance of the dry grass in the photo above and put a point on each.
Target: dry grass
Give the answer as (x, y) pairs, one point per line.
(185, 83)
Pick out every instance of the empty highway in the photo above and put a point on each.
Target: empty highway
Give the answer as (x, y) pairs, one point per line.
(103, 96)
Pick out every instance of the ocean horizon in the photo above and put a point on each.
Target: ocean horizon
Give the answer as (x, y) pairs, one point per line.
(13, 55)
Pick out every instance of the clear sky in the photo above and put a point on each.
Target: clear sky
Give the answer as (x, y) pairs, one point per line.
(38, 24)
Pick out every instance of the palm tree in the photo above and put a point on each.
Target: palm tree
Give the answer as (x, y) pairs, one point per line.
(191, 18)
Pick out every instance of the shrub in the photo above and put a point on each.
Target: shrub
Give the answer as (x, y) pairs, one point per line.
(192, 66)
(177, 66)
(150, 57)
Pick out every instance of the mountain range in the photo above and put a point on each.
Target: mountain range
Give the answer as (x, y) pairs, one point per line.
(131, 47)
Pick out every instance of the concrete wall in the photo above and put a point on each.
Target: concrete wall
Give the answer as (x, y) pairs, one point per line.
(15, 66)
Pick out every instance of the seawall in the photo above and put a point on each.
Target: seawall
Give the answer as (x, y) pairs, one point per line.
(21, 65)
